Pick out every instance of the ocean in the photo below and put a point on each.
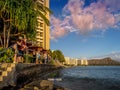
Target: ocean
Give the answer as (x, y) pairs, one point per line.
(90, 78)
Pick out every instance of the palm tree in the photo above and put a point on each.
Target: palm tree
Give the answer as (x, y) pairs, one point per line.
(20, 15)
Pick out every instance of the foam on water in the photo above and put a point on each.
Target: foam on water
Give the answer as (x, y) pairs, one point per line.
(91, 78)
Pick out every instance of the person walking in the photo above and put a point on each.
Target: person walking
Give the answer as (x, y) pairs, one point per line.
(45, 58)
(38, 56)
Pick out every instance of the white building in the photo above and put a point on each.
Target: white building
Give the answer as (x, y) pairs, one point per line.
(70, 61)
(75, 61)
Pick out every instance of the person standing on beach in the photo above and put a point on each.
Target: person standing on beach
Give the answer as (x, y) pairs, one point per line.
(19, 47)
(24, 46)
(38, 56)
(34, 56)
(45, 58)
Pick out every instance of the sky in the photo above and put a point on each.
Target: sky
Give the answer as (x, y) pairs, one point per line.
(85, 28)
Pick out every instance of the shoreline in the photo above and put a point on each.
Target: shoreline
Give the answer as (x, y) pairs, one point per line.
(42, 85)
(49, 80)
(19, 75)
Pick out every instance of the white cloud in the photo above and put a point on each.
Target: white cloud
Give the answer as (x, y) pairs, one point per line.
(97, 16)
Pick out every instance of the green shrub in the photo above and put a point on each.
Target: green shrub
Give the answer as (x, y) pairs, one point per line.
(7, 55)
(52, 62)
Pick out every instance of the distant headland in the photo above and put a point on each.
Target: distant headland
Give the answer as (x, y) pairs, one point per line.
(84, 62)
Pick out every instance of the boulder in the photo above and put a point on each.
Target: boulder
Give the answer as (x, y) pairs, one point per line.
(45, 84)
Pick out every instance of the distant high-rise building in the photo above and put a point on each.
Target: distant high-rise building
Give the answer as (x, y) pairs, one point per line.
(43, 30)
(71, 61)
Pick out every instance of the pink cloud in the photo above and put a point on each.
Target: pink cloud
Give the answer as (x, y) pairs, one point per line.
(74, 6)
(80, 19)
(102, 18)
(57, 28)
(113, 5)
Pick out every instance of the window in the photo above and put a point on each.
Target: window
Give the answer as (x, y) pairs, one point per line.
(41, 34)
(41, 44)
(41, 24)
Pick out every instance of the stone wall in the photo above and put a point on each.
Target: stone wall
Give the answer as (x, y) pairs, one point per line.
(19, 74)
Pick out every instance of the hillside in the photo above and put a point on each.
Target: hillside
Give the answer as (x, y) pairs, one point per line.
(104, 61)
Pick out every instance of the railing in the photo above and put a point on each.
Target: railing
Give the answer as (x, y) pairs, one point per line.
(27, 55)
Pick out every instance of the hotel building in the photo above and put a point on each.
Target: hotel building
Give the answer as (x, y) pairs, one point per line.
(71, 61)
(43, 30)
(75, 61)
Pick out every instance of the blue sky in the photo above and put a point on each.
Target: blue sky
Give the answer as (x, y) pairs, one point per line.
(85, 28)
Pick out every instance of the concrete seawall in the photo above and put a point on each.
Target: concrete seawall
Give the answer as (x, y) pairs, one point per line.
(19, 74)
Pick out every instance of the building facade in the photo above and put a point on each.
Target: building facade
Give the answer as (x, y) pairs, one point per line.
(75, 61)
(43, 30)
(70, 61)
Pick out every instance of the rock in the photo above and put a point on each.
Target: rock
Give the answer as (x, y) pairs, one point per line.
(46, 84)
(36, 88)
(57, 87)
(21, 89)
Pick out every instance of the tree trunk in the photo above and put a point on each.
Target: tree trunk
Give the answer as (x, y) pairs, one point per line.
(6, 34)
(1, 41)
(8, 37)
(4, 30)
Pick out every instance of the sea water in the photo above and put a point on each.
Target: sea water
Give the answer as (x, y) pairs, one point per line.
(91, 78)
